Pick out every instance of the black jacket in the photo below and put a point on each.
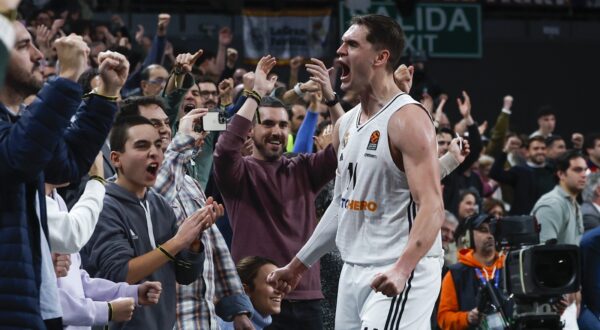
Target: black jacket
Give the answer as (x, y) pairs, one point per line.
(530, 183)
(42, 145)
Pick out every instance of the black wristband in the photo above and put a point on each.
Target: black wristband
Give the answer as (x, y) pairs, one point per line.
(333, 102)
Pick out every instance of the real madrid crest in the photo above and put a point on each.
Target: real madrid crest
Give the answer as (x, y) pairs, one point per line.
(345, 140)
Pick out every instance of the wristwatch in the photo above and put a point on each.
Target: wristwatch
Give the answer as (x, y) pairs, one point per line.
(298, 91)
(334, 101)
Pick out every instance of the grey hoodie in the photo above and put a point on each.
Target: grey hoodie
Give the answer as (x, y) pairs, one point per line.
(121, 235)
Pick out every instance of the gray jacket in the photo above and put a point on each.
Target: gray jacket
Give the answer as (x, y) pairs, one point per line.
(591, 216)
(121, 235)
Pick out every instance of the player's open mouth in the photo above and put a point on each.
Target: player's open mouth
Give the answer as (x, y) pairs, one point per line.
(345, 70)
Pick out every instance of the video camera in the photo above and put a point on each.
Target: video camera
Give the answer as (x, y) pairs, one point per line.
(534, 276)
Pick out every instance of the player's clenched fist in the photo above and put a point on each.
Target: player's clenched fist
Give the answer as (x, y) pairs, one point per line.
(391, 283)
(72, 54)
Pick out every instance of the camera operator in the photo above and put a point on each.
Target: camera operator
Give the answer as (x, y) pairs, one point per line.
(476, 265)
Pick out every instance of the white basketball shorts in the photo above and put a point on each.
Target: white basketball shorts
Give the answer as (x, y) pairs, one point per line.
(361, 308)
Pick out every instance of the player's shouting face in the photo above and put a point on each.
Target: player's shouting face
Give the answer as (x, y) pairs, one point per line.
(356, 56)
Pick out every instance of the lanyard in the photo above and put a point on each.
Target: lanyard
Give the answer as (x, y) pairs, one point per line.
(485, 279)
(149, 224)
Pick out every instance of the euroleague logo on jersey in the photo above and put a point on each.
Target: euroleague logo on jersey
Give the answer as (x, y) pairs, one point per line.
(373, 140)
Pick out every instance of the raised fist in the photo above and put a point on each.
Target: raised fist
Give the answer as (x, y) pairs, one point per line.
(248, 80)
(72, 54)
(232, 56)
(225, 36)
(113, 68)
(507, 102)
(163, 24)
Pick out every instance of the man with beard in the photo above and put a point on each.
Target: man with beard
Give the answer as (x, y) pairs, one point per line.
(39, 144)
(558, 211)
(257, 190)
(476, 265)
(560, 217)
(530, 181)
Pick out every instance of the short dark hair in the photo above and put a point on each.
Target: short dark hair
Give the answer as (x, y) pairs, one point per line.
(462, 193)
(590, 140)
(118, 133)
(131, 105)
(545, 110)
(532, 139)
(272, 102)
(553, 138)
(205, 79)
(384, 33)
(248, 267)
(445, 130)
(206, 55)
(564, 161)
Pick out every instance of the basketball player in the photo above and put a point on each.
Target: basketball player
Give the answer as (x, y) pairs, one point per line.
(387, 209)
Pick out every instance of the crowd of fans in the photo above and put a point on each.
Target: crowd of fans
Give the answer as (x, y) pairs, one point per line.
(118, 208)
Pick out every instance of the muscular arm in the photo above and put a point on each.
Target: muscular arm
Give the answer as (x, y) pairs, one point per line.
(415, 139)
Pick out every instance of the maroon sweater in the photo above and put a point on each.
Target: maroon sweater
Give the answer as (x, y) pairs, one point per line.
(271, 205)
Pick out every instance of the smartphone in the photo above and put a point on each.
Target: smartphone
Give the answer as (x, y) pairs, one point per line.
(214, 122)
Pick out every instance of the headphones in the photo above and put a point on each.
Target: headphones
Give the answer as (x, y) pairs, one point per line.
(465, 229)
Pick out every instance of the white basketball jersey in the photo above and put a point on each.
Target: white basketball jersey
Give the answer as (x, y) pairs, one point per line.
(376, 211)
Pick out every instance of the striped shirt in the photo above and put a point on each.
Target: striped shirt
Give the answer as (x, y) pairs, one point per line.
(220, 290)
